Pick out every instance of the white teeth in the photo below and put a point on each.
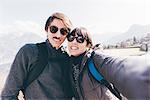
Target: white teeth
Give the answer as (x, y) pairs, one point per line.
(74, 48)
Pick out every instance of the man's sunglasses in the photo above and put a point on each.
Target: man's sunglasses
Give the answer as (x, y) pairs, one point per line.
(79, 39)
(63, 31)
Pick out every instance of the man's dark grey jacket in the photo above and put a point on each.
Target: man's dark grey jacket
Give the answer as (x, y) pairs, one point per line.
(51, 84)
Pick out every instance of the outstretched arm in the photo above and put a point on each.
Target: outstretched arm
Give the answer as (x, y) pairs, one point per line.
(131, 75)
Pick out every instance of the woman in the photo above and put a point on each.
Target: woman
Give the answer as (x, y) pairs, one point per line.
(130, 75)
(85, 86)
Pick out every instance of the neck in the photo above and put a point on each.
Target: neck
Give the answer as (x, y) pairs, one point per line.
(77, 59)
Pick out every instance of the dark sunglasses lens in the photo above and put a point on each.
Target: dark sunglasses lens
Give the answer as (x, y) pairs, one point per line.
(80, 39)
(70, 38)
(53, 29)
(64, 31)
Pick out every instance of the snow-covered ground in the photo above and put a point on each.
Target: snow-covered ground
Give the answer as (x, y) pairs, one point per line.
(126, 52)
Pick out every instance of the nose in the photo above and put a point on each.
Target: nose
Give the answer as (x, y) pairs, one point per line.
(74, 41)
(58, 33)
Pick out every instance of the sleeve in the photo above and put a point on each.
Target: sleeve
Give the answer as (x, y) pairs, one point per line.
(109, 66)
(17, 74)
(131, 75)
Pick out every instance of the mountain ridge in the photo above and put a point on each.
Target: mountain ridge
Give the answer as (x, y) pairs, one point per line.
(10, 44)
(136, 30)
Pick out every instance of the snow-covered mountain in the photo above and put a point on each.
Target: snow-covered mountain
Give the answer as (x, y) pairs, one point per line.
(136, 30)
(12, 42)
(103, 38)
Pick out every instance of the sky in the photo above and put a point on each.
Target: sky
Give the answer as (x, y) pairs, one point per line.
(98, 16)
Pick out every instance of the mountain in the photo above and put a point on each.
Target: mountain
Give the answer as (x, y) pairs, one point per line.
(4, 68)
(136, 30)
(12, 42)
(103, 38)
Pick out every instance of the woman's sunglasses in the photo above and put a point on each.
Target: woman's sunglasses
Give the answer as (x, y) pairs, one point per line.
(63, 31)
(79, 39)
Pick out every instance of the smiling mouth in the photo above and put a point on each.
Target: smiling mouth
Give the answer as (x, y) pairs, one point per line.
(74, 48)
(56, 39)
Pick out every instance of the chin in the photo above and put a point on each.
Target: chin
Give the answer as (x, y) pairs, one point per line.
(75, 54)
(56, 46)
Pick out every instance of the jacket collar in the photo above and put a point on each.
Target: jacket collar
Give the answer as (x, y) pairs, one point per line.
(77, 60)
(55, 53)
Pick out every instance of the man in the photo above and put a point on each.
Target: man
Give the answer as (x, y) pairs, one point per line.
(52, 82)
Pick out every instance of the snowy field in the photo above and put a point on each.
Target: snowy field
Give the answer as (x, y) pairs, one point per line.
(126, 52)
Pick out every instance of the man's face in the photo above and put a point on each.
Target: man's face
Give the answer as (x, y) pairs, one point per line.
(56, 33)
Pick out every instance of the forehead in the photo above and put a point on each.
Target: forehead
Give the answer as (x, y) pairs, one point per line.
(57, 22)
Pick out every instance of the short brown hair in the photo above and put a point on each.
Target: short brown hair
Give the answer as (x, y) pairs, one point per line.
(60, 16)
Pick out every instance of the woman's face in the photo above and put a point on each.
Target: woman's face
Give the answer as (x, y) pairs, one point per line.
(76, 44)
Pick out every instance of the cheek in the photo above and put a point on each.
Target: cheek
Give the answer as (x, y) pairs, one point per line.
(82, 48)
(49, 34)
(69, 45)
(63, 38)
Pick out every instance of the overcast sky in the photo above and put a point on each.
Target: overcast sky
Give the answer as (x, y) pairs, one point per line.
(99, 16)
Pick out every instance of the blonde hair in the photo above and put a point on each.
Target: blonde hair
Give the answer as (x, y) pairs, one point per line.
(60, 16)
